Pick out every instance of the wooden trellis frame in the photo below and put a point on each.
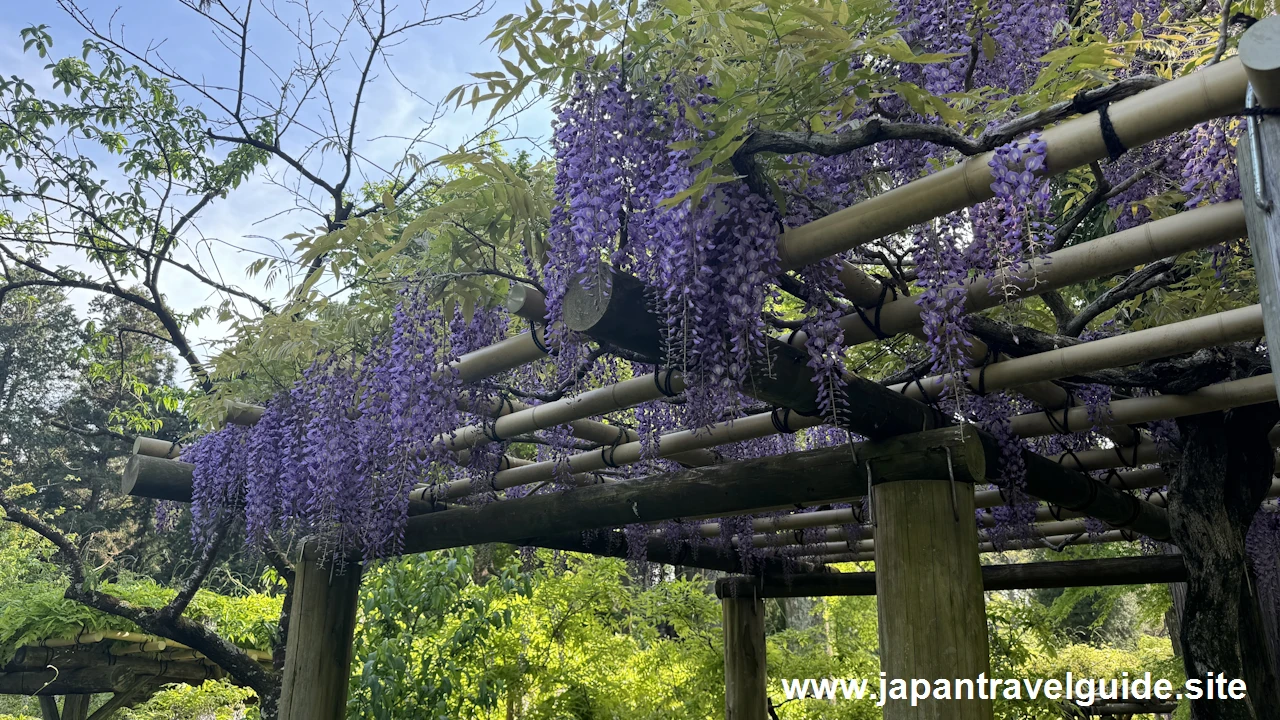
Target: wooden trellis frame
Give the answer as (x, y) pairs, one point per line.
(917, 467)
(127, 665)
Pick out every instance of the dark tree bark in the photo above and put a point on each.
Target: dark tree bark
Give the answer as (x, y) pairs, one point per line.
(1216, 487)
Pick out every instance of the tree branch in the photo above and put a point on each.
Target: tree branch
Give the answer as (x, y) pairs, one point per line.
(155, 621)
(1152, 276)
(877, 130)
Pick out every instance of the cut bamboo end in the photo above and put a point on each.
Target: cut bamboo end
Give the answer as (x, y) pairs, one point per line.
(239, 413)
(153, 477)
(1260, 54)
(526, 302)
(155, 447)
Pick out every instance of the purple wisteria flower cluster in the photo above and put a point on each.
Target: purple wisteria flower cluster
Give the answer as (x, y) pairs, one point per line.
(708, 260)
(333, 457)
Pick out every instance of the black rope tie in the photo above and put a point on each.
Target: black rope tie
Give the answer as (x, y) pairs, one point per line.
(1129, 463)
(872, 324)
(1258, 111)
(1115, 146)
(662, 381)
(993, 356)
(924, 394)
(1133, 516)
(792, 335)
(490, 426)
(1156, 492)
(539, 343)
(606, 452)
(1064, 427)
(1071, 454)
(1055, 512)
(781, 418)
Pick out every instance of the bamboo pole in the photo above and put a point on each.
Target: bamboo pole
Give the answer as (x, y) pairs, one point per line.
(624, 394)
(1202, 95)
(153, 447)
(1050, 524)
(670, 445)
(1222, 396)
(1118, 351)
(527, 302)
(1057, 541)
(1118, 413)
(84, 638)
(835, 540)
(1166, 237)
(838, 519)
(1260, 55)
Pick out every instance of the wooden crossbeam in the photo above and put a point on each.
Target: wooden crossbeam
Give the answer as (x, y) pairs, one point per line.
(1139, 570)
(785, 379)
(823, 475)
(703, 556)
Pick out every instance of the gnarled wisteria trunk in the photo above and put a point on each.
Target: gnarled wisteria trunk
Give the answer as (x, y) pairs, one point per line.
(1216, 486)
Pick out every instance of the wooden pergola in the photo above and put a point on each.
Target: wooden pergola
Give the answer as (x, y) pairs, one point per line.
(917, 468)
(128, 666)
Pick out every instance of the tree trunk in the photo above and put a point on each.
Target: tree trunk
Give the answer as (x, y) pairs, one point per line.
(1215, 488)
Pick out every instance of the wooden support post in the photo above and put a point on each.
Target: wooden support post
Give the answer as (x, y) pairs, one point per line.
(1258, 161)
(322, 621)
(75, 707)
(746, 695)
(933, 622)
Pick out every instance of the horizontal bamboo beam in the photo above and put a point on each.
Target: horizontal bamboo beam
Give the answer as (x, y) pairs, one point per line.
(1131, 411)
(836, 540)
(1138, 570)
(1261, 61)
(813, 476)
(1207, 93)
(835, 522)
(734, 488)
(1187, 231)
(1117, 351)
(1056, 541)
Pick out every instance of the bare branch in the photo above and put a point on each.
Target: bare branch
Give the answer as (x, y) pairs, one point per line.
(1154, 275)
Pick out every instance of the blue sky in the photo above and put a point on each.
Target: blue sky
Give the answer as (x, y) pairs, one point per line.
(426, 66)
